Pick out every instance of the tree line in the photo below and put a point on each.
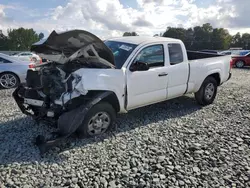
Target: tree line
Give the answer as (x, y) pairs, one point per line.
(196, 38)
(205, 37)
(19, 39)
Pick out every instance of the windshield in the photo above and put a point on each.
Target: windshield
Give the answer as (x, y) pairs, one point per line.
(121, 51)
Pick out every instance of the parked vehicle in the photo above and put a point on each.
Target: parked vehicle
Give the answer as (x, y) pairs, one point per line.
(236, 48)
(244, 52)
(225, 52)
(86, 85)
(235, 52)
(240, 61)
(12, 71)
(28, 56)
(209, 51)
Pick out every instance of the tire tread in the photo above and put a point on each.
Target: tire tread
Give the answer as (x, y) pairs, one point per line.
(199, 95)
(101, 106)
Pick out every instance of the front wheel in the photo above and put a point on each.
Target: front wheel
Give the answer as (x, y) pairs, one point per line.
(9, 80)
(98, 120)
(207, 91)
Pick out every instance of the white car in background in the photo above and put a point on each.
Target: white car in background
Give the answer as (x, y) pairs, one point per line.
(27, 56)
(12, 71)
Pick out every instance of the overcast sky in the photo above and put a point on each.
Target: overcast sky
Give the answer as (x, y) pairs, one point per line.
(110, 18)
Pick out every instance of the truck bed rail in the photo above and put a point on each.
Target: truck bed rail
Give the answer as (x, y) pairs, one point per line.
(193, 55)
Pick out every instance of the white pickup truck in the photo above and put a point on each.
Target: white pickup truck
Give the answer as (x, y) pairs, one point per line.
(88, 81)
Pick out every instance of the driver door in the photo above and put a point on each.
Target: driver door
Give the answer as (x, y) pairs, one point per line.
(146, 87)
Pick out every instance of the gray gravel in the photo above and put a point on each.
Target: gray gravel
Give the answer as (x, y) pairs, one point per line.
(171, 144)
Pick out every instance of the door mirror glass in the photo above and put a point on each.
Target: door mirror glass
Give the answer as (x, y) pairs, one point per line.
(139, 66)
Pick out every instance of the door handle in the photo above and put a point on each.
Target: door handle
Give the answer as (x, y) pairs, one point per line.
(162, 74)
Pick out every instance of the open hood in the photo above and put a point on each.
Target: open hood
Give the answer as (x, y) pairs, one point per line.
(66, 46)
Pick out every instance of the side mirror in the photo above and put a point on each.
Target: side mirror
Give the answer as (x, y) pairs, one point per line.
(139, 66)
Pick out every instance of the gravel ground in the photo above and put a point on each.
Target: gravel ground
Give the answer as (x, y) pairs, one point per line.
(171, 144)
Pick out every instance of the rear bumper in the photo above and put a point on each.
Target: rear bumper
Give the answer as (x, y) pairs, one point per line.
(229, 77)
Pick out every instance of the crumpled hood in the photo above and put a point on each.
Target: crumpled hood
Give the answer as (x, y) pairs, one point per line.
(66, 46)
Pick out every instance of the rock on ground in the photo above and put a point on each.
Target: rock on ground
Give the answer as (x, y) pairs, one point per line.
(172, 144)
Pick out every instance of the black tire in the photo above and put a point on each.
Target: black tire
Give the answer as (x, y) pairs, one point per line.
(201, 96)
(12, 76)
(240, 64)
(83, 130)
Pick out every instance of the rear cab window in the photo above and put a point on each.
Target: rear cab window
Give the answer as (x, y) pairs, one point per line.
(175, 53)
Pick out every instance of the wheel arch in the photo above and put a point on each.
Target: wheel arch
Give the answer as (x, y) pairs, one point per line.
(113, 100)
(104, 96)
(215, 74)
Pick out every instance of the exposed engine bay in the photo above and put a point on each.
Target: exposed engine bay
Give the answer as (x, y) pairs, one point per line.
(50, 93)
(47, 87)
(50, 96)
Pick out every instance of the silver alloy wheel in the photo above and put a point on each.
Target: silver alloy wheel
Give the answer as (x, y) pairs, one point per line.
(8, 80)
(239, 64)
(209, 91)
(99, 123)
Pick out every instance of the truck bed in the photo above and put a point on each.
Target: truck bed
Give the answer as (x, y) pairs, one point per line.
(203, 64)
(193, 55)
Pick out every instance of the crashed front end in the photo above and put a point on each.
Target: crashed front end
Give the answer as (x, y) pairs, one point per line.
(54, 92)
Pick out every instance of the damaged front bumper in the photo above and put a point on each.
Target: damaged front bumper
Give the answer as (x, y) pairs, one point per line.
(31, 106)
(20, 100)
(67, 122)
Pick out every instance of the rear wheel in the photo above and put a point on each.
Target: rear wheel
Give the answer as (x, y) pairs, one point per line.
(207, 91)
(9, 80)
(240, 64)
(98, 120)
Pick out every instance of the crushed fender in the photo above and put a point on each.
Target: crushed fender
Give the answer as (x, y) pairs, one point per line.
(68, 123)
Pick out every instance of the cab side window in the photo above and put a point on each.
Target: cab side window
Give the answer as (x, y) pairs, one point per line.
(175, 53)
(152, 55)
